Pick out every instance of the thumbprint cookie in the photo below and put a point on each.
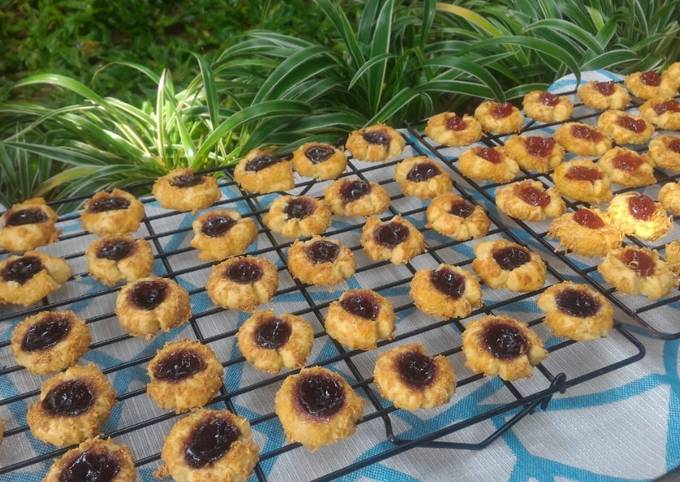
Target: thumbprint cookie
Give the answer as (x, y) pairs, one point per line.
(604, 95)
(183, 375)
(582, 180)
(411, 380)
(209, 445)
(26, 279)
(295, 216)
(453, 216)
(534, 153)
(627, 168)
(637, 271)
(242, 283)
(222, 233)
(639, 215)
(359, 319)
(488, 164)
(546, 107)
(317, 407)
(72, 406)
(529, 200)
(503, 346)
(183, 190)
(149, 305)
(28, 225)
(320, 161)
(117, 212)
(582, 139)
(504, 264)
(273, 343)
(663, 113)
(320, 261)
(499, 117)
(649, 84)
(665, 152)
(422, 177)
(669, 196)
(447, 291)
(375, 143)
(576, 311)
(119, 257)
(396, 240)
(261, 172)
(672, 254)
(356, 197)
(452, 130)
(624, 128)
(587, 232)
(672, 74)
(50, 341)
(94, 460)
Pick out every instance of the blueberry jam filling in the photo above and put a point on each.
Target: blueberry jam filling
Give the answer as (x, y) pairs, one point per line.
(641, 207)
(188, 179)
(320, 396)
(504, 341)
(178, 365)
(272, 333)
(217, 225)
(115, 249)
(147, 295)
(319, 153)
(461, 208)
(262, 161)
(363, 305)
(110, 203)
(377, 137)
(22, 269)
(391, 234)
(448, 282)
(322, 252)
(578, 303)
(244, 272)
(69, 399)
(46, 333)
(299, 208)
(422, 172)
(511, 257)
(210, 440)
(353, 190)
(22, 217)
(416, 369)
(91, 466)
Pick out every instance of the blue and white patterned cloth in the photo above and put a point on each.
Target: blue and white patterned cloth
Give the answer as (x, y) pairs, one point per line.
(622, 426)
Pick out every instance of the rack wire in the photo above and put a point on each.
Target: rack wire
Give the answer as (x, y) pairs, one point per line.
(142, 426)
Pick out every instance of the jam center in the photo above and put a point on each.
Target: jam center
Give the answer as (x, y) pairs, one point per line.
(22, 269)
(461, 208)
(416, 369)
(110, 203)
(456, 123)
(505, 341)
(147, 295)
(46, 333)
(261, 162)
(318, 154)
(210, 440)
(651, 78)
(576, 302)
(320, 396)
(115, 249)
(299, 208)
(422, 172)
(674, 145)
(377, 137)
(272, 333)
(641, 207)
(69, 399)
(244, 272)
(448, 282)
(583, 173)
(391, 234)
(353, 190)
(91, 466)
(490, 154)
(639, 261)
(22, 217)
(605, 88)
(188, 179)
(539, 146)
(499, 110)
(627, 161)
(363, 305)
(635, 125)
(667, 106)
(217, 225)
(323, 252)
(533, 196)
(511, 257)
(549, 99)
(585, 132)
(178, 365)
(589, 219)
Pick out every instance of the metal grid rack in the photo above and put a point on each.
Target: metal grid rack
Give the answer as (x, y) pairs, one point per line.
(142, 426)
(657, 317)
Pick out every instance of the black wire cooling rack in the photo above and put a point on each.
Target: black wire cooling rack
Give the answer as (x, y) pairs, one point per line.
(142, 426)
